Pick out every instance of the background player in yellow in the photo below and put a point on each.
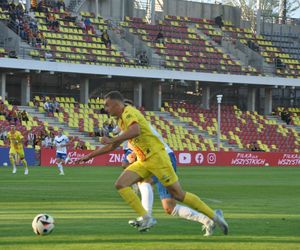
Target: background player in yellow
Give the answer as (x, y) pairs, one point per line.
(16, 149)
(152, 160)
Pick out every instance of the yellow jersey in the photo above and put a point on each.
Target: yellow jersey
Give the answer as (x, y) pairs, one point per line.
(146, 144)
(15, 139)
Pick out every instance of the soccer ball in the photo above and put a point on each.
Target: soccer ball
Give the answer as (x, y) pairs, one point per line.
(43, 224)
(5, 164)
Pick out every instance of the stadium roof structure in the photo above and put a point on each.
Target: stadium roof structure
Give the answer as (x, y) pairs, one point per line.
(8, 64)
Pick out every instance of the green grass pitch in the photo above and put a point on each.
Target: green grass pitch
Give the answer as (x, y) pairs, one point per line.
(262, 206)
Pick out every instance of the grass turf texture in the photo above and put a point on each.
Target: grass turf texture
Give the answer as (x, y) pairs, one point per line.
(260, 204)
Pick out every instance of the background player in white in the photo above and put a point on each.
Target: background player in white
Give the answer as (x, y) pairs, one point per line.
(61, 142)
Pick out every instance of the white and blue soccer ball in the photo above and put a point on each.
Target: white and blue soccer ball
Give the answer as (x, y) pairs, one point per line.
(43, 224)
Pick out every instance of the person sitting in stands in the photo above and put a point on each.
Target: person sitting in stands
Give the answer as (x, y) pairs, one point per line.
(81, 24)
(160, 37)
(61, 5)
(105, 38)
(24, 116)
(278, 63)
(219, 21)
(48, 55)
(254, 147)
(48, 107)
(88, 25)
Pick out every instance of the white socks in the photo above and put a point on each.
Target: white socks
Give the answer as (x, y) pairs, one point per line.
(147, 196)
(190, 214)
(179, 210)
(60, 168)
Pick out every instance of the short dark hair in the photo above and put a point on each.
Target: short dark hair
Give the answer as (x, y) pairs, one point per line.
(114, 95)
(129, 102)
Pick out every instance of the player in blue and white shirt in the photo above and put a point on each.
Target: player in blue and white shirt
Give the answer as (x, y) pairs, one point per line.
(61, 142)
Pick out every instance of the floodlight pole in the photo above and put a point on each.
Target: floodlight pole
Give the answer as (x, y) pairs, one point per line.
(219, 100)
(97, 8)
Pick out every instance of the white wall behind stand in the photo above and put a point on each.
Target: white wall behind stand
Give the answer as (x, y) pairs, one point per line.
(201, 10)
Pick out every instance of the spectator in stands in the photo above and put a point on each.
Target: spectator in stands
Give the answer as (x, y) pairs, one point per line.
(69, 17)
(31, 139)
(61, 5)
(80, 145)
(143, 58)
(288, 118)
(160, 37)
(48, 55)
(31, 38)
(8, 115)
(2, 108)
(97, 131)
(24, 116)
(81, 24)
(40, 38)
(278, 63)
(105, 39)
(14, 116)
(103, 111)
(219, 21)
(88, 25)
(48, 107)
(41, 7)
(12, 54)
(3, 134)
(38, 140)
(253, 46)
(55, 106)
(254, 146)
(47, 141)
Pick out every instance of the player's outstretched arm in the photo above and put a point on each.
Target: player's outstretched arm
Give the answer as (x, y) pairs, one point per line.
(133, 131)
(100, 151)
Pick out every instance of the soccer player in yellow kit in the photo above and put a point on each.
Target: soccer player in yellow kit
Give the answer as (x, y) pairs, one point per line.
(152, 160)
(16, 149)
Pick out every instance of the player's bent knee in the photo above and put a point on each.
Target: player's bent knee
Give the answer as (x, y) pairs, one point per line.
(177, 194)
(119, 185)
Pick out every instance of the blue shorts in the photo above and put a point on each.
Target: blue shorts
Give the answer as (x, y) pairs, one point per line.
(127, 152)
(61, 156)
(163, 192)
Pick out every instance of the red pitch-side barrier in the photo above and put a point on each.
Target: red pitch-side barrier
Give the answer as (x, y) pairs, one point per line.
(194, 158)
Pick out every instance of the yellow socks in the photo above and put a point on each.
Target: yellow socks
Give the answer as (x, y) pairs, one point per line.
(24, 163)
(12, 160)
(194, 202)
(133, 200)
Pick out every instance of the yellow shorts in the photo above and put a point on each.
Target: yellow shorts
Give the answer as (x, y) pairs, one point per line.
(159, 165)
(19, 152)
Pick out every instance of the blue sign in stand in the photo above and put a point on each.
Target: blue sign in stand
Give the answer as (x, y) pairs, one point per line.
(29, 156)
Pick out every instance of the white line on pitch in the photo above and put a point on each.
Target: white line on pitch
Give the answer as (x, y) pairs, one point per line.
(212, 200)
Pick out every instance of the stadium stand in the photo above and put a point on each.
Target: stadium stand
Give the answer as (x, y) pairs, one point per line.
(183, 48)
(238, 127)
(89, 118)
(259, 43)
(57, 36)
(178, 136)
(292, 116)
(3, 52)
(86, 118)
(10, 114)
